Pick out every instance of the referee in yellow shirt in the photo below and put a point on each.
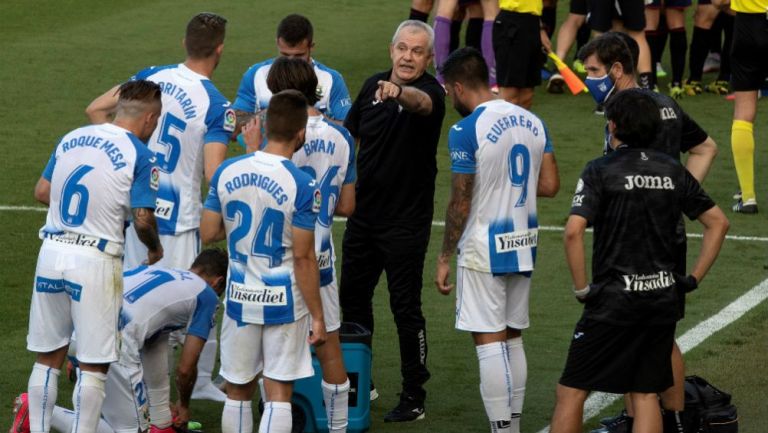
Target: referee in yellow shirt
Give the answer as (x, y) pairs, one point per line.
(517, 41)
(749, 68)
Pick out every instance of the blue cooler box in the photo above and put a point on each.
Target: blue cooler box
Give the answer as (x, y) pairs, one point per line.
(308, 392)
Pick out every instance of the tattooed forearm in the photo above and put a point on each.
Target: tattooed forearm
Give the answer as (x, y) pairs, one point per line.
(457, 212)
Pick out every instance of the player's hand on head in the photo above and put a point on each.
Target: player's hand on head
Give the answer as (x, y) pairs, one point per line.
(442, 274)
(317, 334)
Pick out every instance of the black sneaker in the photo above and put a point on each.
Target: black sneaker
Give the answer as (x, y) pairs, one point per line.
(409, 409)
(618, 424)
(611, 419)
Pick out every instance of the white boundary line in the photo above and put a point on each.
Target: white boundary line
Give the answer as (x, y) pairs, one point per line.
(692, 338)
(4, 208)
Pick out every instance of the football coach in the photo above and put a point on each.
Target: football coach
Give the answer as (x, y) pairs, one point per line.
(396, 121)
(633, 197)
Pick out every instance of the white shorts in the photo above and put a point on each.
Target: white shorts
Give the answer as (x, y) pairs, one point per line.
(179, 251)
(126, 405)
(80, 289)
(329, 295)
(485, 303)
(281, 351)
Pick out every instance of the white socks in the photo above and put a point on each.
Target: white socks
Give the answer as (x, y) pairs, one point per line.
(336, 399)
(237, 417)
(496, 385)
(87, 399)
(63, 419)
(41, 394)
(159, 409)
(277, 418)
(519, 370)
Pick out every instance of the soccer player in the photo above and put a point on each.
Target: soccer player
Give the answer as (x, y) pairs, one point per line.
(633, 198)
(501, 160)
(96, 176)
(328, 155)
(266, 208)
(294, 39)
(157, 301)
(396, 119)
(674, 13)
(610, 68)
(749, 69)
(191, 141)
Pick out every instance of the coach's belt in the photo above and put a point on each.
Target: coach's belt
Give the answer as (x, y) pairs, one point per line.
(103, 245)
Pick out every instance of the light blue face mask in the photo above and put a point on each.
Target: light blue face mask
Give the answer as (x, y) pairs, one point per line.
(600, 87)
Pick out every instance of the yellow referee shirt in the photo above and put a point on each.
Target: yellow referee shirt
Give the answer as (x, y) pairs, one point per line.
(529, 6)
(750, 6)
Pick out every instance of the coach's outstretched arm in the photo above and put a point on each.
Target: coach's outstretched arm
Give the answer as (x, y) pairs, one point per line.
(455, 219)
(549, 177)
(146, 228)
(102, 109)
(211, 227)
(308, 280)
(410, 98)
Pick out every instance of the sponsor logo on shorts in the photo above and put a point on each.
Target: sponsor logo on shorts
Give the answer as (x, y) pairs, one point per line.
(164, 209)
(230, 119)
(47, 285)
(267, 296)
(513, 241)
(649, 282)
(324, 259)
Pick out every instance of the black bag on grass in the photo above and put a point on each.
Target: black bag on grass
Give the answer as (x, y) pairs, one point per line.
(708, 409)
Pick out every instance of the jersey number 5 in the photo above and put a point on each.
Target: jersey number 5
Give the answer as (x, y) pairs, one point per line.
(169, 157)
(519, 170)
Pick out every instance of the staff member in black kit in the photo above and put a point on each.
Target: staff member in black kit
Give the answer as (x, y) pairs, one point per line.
(396, 120)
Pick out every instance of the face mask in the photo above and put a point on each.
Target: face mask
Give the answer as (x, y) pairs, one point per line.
(600, 88)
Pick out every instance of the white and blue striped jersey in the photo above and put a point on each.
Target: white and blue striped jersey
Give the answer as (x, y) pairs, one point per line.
(159, 300)
(503, 146)
(328, 155)
(253, 95)
(194, 113)
(261, 197)
(98, 173)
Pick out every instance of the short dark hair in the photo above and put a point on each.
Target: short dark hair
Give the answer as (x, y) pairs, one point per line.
(294, 29)
(466, 66)
(636, 116)
(137, 96)
(610, 48)
(212, 262)
(205, 32)
(286, 115)
(293, 73)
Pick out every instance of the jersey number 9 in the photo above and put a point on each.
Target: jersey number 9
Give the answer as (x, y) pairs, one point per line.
(519, 170)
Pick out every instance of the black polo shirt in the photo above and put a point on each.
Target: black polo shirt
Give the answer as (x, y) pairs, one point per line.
(396, 165)
(634, 198)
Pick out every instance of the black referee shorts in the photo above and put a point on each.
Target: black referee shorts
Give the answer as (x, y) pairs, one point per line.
(749, 53)
(619, 359)
(578, 7)
(517, 45)
(603, 12)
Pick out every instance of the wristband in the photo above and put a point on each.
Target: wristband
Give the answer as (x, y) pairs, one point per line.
(400, 90)
(581, 294)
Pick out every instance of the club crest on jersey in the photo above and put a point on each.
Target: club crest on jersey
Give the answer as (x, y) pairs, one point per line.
(154, 178)
(317, 200)
(230, 119)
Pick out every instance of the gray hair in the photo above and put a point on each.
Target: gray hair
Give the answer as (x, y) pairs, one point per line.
(417, 25)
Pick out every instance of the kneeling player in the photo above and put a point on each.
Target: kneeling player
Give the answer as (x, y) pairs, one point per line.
(633, 197)
(156, 301)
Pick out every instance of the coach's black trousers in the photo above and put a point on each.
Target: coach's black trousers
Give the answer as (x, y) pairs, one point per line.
(398, 250)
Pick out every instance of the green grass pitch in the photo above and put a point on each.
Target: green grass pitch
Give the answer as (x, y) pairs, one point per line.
(56, 56)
